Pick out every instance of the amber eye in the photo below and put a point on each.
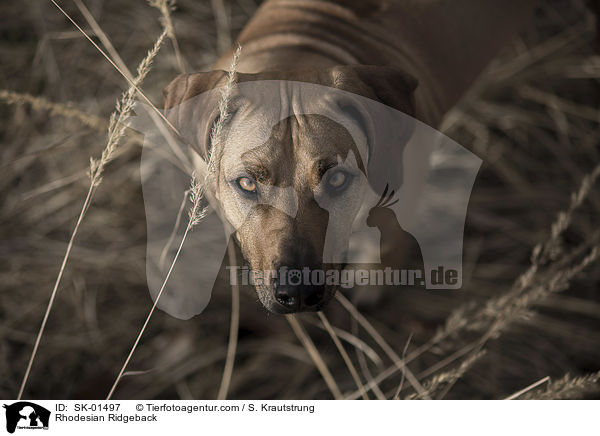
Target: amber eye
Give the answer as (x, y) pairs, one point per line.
(337, 179)
(247, 184)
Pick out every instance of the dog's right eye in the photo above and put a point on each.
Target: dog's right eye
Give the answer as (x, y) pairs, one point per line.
(247, 185)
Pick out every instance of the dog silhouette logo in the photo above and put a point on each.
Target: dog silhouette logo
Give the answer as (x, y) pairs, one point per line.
(26, 415)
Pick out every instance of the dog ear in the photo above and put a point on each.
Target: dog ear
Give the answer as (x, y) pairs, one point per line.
(186, 86)
(390, 86)
(387, 130)
(192, 113)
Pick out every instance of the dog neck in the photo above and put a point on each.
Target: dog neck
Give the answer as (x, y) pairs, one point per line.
(304, 34)
(444, 44)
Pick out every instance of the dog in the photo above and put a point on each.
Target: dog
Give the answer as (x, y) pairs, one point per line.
(417, 57)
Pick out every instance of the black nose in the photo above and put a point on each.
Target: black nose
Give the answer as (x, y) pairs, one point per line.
(298, 297)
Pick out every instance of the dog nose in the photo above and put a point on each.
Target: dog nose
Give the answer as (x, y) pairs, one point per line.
(287, 296)
(312, 296)
(298, 297)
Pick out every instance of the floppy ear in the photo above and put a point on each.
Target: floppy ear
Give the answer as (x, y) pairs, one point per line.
(189, 111)
(390, 86)
(387, 130)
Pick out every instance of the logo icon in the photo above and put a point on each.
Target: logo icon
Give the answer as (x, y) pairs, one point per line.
(26, 415)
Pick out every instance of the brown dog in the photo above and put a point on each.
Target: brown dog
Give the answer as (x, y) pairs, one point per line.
(418, 57)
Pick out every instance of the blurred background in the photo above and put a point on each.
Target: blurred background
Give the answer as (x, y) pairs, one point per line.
(533, 118)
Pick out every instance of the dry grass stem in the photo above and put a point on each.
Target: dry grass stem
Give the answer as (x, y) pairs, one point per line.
(447, 378)
(121, 71)
(528, 388)
(315, 356)
(567, 388)
(117, 124)
(364, 365)
(344, 355)
(216, 133)
(156, 115)
(402, 378)
(398, 362)
(353, 340)
(116, 131)
(165, 250)
(223, 25)
(195, 216)
(165, 7)
(233, 332)
(54, 109)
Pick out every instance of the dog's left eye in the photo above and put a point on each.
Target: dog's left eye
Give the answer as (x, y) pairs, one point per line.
(337, 180)
(246, 184)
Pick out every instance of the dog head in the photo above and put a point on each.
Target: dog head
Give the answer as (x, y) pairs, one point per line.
(292, 168)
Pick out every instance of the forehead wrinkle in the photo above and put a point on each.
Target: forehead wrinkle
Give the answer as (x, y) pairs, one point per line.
(301, 140)
(319, 144)
(274, 158)
(306, 137)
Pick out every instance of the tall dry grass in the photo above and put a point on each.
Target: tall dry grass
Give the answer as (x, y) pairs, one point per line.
(525, 325)
(116, 131)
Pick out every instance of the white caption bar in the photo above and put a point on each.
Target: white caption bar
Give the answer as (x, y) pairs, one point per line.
(299, 417)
